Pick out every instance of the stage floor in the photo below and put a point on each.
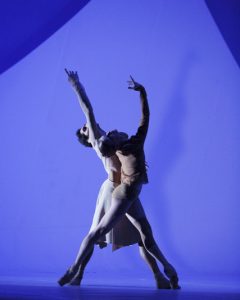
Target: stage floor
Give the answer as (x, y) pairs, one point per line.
(44, 289)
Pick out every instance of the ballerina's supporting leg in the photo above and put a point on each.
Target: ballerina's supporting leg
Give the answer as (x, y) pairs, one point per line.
(151, 246)
(160, 279)
(137, 217)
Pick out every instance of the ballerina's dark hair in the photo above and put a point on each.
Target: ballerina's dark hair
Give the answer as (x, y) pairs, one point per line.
(83, 139)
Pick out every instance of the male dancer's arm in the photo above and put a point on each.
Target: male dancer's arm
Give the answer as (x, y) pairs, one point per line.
(145, 113)
(85, 105)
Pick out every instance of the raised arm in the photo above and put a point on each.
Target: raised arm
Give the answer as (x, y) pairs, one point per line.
(144, 121)
(85, 104)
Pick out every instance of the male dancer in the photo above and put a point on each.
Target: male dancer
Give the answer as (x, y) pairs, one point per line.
(124, 200)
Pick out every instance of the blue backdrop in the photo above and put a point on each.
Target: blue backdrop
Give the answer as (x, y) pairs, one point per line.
(49, 183)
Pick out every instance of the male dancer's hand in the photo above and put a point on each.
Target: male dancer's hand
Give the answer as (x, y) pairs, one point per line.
(73, 79)
(133, 85)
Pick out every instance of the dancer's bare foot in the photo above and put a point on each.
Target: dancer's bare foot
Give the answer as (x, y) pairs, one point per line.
(161, 281)
(171, 273)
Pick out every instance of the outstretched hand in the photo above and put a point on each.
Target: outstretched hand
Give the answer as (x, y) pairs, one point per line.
(133, 85)
(73, 77)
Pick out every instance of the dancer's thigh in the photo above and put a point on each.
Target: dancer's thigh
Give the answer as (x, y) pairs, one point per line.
(136, 210)
(117, 209)
(137, 217)
(103, 202)
(122, 199)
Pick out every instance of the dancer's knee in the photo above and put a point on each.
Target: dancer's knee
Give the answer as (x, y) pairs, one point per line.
(101, 231)
(97, 233)
(90, 238)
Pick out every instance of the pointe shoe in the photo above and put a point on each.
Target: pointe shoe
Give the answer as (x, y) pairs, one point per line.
(171, 273)
(162, 282)
(66, 278)
(76, 281)
(174, 283)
